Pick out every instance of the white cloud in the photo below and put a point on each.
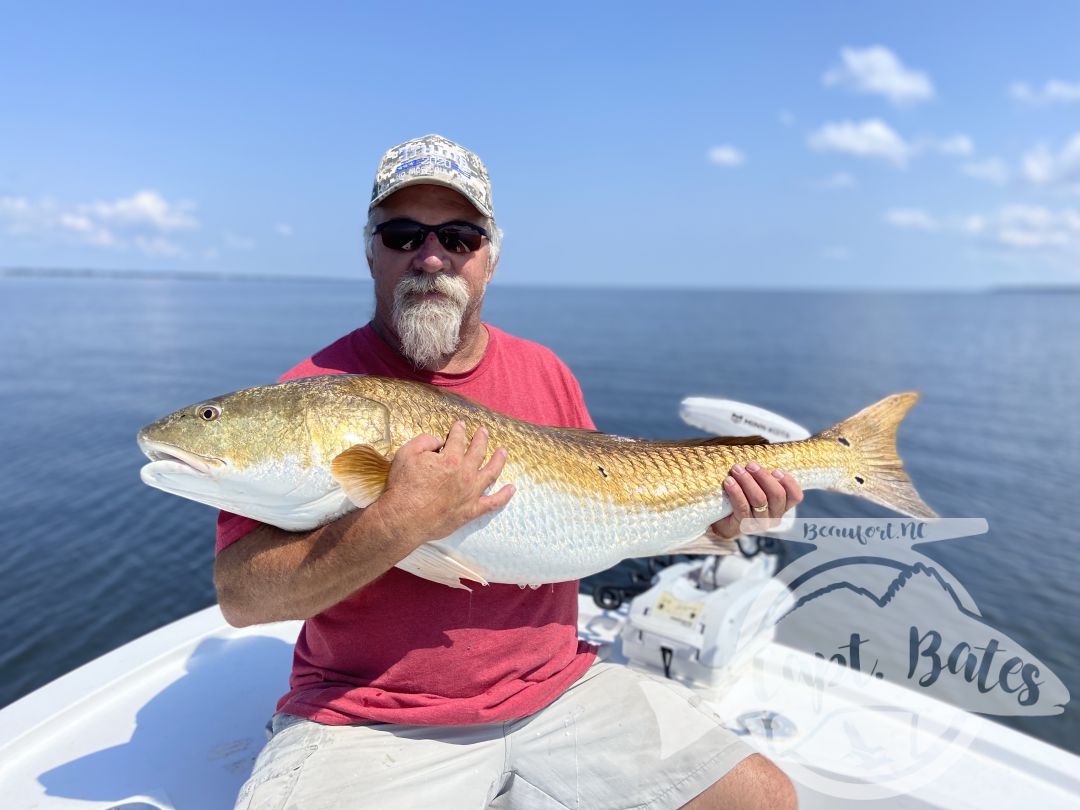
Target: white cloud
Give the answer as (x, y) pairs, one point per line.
(1055, 91)
(866, 139)
(955, 145)
(92, 232)
(13, 206)
(875, 139)
(973, 224)
(1042, 167)
(138, 222)
(839, 181)
(725, 155)
(992, 170)
(911, 219)
(836, 253)
(144, 209)
(235, 242)
(283, 229)
(25, 217)
(157, 246)
(877, 70)
(1031, 229)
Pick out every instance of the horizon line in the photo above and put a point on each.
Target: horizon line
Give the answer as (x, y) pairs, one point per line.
(210, 275)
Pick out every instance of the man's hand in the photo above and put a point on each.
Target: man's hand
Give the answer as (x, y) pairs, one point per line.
(436, 487)
(756, 486)
(433, 489)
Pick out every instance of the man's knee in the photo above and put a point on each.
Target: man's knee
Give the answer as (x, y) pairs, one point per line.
(754, 783)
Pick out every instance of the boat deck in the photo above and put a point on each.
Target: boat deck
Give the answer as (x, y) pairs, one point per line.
(176, 718)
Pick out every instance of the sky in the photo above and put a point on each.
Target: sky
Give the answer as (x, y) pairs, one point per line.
(922, 145)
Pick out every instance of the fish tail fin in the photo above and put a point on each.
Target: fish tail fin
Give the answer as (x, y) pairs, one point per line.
(875, 471)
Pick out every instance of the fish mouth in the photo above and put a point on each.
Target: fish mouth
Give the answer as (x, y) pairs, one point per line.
(169, 458)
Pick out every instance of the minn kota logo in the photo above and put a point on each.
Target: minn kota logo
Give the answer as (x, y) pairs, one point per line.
(891, 653)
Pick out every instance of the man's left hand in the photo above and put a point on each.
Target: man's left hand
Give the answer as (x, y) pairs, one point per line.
(755, 486)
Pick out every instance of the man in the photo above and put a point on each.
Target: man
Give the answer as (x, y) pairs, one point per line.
(409, 694)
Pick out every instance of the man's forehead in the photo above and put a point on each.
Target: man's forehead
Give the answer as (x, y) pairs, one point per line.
(429, 197)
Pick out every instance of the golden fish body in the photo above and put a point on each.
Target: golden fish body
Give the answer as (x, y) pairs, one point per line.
(301, 453)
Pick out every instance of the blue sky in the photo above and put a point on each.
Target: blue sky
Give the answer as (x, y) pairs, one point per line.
(916, 145)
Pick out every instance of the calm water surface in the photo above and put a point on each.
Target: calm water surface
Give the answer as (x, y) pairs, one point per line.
(90, 558)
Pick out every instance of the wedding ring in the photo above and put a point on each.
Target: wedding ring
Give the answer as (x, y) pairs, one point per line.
(764, 508)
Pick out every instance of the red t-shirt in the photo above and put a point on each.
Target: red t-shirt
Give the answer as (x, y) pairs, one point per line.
(407, 650)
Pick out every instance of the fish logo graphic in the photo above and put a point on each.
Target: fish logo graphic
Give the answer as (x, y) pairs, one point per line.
(896, 656)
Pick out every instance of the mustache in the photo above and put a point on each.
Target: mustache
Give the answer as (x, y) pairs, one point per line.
(452, 287)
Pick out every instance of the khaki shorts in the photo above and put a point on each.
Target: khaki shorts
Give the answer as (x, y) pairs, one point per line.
(617, 738)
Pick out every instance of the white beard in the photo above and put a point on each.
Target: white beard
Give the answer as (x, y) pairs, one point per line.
(429, 329)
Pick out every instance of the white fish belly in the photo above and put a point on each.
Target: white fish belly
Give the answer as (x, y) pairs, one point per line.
(545, 535)
(286, 492)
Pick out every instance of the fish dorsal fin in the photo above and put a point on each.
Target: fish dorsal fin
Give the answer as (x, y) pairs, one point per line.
(580, 431)
(429, 562)
(712, 441)
(361, 471)
(708, 441)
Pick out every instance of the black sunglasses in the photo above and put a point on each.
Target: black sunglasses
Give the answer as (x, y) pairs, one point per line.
(407, 235)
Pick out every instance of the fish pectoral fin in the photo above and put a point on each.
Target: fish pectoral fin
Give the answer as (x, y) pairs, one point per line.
(429, 562)
(361, 471)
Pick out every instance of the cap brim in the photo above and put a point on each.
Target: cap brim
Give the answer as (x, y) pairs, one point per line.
(429, 181)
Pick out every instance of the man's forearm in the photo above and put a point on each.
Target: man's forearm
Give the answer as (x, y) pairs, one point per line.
(273, 575)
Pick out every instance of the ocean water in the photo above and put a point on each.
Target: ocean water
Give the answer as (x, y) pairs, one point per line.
(90, 558)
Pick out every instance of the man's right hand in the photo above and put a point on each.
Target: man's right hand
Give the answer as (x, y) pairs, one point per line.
(435, 487)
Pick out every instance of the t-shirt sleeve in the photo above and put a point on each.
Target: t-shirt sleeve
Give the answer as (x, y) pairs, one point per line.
(231, 528)
(571, 401)
(576, 400)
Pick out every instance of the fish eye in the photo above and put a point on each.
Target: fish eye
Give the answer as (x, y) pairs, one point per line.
(208, 413)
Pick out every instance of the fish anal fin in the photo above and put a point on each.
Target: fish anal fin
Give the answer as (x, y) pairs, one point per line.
(361, 471)
(707, 543)
(431, 563)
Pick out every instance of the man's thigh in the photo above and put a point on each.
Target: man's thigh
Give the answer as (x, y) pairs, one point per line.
(616, 739)
(311, 766)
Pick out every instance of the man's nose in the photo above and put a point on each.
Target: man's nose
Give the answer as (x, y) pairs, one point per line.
(431, 256)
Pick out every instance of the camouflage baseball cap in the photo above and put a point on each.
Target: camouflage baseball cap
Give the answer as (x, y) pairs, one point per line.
(434, 160)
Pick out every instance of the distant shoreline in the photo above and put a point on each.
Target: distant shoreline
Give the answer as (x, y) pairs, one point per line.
(202, 275)
(155, 275)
